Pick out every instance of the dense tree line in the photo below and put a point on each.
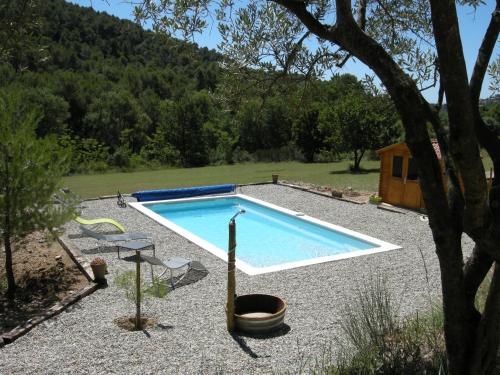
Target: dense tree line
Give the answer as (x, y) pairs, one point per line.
(117, 95)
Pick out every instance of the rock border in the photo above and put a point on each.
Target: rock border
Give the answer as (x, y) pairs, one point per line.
(297, 187)
(20, 330)
(84, 267)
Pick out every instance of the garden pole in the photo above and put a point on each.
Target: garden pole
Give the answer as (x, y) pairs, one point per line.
(138, 324)
(231, 279)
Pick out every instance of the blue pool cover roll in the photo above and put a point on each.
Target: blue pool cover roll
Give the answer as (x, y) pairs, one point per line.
(158, 195)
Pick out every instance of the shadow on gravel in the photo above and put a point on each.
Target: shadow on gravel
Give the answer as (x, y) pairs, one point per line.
(239, 337)
(164, 327)
(244, 346)
(101, 250)
(285, 328)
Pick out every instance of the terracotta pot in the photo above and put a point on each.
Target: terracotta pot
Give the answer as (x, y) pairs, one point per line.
(99, 270)
(275, 178)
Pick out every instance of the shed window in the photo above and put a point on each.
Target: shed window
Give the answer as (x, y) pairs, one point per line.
(397, 166)
(412, 170)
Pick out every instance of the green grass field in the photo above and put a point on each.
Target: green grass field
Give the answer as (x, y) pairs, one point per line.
(332, 174)
(336, 175)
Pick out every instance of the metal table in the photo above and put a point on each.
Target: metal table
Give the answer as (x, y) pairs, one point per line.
(137, 245)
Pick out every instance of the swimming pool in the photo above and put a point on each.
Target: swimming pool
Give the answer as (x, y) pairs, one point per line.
(269, 238)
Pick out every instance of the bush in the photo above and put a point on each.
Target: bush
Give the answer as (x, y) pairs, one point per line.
(120, 158)
(242, 156)
(161, 152)
(375, 340)
(126, 281)
(375, 199)
(87, 154)
(93, 166)
(275, 155)
(379, 342)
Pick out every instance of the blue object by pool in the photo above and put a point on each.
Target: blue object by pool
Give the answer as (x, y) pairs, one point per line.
(269, 238)
(156, 195)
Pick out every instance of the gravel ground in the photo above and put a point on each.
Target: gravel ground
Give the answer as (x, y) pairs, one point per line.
(191, 337)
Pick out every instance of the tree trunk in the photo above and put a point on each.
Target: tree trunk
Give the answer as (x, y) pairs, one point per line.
(9, 271)
(357, 160)
(444, 219)
(355, 167)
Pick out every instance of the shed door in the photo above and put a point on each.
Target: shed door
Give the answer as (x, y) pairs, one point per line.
(396, 183)
(411, 195)
(404, 189)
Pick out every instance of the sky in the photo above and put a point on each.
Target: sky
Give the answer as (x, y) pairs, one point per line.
(473, 25)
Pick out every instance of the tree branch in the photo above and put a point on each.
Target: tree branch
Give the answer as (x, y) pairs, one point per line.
(362, 26)
(463, 140)
(484, 54)
(312, 24)
(486, 136)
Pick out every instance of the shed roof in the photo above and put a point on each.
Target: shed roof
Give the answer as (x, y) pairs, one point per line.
(435, 146)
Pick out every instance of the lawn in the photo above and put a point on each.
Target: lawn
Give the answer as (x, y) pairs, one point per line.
(332, 174)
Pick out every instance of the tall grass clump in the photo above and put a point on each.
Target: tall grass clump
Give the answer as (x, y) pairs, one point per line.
(482, 292)
(376, 340)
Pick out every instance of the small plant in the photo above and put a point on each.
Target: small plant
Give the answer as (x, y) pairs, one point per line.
(136, 291)
(375, 199)
(98, 262)
(337, 193)
(126, 281)
(158, 289)
(100, 269)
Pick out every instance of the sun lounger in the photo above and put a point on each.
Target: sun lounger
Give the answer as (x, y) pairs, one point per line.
(173, 264)
(66, 197)
(126, 236)
(123, 241)
(115, 223)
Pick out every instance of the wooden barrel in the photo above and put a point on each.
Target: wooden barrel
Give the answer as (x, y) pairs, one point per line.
(259, 313)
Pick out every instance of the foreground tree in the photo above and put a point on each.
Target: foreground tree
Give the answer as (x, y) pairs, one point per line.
(30, 173)
(402, 42)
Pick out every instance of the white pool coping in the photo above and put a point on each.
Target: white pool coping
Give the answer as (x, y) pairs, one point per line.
(381, 246)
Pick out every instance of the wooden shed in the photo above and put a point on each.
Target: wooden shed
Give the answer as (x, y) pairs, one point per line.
(398, 182)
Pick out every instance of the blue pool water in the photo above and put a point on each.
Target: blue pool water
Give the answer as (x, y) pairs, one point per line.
(265, 237)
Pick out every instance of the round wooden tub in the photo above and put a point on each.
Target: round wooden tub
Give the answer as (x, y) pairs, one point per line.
(258, 313)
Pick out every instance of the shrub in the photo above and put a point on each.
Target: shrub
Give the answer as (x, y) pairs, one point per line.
(126, 281)
(380, 342)
(375, 199)
(120, 158)
(241, 156)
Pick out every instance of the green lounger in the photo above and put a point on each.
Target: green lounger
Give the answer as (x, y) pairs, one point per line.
(83, 221)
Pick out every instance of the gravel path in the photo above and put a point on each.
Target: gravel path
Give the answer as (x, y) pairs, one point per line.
(192, 337)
